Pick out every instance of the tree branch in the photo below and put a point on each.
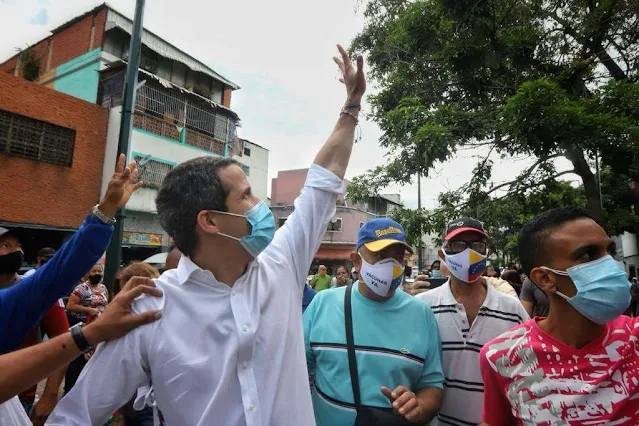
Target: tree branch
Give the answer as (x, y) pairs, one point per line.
(527, 173)
(610, 64)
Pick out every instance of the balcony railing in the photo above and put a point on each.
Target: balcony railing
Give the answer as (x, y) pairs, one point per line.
(175, 108)
(176, 115)
(204, 142)
(156, 126)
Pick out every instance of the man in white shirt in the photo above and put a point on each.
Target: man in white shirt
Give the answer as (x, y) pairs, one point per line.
(229, 349)
(469, 313)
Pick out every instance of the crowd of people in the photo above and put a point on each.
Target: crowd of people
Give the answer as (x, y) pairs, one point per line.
(232, 333)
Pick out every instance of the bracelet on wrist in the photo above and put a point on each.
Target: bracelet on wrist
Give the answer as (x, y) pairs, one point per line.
(353, 105)
(345, 112)
(79, 339)
(100, 215)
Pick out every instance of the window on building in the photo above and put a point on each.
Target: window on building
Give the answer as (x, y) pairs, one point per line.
(247, 151)
(334, 225)
(152, 172)
(26, 137)
(281, 221)
(247, 170)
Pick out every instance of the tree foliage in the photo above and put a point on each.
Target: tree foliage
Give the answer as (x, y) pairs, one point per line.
(540, 78)
(503, 216)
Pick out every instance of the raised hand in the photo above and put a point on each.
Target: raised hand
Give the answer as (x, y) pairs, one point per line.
(121, 187)
(353, 78)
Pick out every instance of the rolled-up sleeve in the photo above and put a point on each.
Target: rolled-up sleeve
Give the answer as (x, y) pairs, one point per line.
(300, 237)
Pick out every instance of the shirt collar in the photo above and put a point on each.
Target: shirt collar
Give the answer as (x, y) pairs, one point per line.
(187, 270)
(490, 302)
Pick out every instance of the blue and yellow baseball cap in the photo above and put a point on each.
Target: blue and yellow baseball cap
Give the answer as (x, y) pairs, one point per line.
(377, 234)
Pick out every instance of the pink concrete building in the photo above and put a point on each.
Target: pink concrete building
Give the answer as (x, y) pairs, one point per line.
(341, 232)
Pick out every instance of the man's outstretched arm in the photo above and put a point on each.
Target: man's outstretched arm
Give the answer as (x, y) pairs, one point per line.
(26, 367)
(297, 241)
(336, 152)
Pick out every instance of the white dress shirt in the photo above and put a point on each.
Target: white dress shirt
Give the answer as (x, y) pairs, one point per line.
(219, 355)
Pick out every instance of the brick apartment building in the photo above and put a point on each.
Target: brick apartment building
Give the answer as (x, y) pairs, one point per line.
(51, 155)
(183, 109)
(341, 232)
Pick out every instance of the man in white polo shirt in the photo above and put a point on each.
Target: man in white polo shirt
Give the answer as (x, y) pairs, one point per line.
(229, 349)
(469, 314)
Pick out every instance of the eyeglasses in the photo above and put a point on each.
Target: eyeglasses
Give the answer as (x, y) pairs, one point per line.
(457, 246)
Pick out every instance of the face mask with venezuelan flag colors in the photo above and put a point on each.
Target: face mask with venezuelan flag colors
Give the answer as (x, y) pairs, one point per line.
(466, 266)
(383, 276)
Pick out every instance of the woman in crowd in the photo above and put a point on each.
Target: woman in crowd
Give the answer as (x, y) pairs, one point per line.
(87, 301)
(341, 277)
(90, 298)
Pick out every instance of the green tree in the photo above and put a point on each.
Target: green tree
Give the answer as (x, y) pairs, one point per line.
(540, 79)
(502, 216)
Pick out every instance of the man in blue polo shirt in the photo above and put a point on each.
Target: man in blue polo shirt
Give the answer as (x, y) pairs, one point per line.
(398, 366)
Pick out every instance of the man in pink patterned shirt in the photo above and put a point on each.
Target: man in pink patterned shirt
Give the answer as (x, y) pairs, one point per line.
(580, 365)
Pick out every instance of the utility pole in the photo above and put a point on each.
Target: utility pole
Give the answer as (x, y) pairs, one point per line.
(598, 178)
(114, 251)
(419, 209)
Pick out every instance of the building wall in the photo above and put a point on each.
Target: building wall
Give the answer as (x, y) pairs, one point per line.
(65, 45)
(351, 220)
(78, 38)
(48, 194)
(144, 223)
(257, 164)
(79, 77)
(287, 186)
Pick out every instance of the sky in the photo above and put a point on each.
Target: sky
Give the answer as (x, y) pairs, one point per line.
(280, 53)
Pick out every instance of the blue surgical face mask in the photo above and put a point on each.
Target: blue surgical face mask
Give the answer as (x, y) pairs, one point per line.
(262, 228)
(436, 273)
(603, 291)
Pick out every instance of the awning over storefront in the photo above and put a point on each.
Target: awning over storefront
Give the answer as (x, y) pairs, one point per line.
(333, 253)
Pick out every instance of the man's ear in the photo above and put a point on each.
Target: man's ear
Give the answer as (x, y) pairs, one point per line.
(357, 261)
(544, 279)
(206, 222)
(441, 255)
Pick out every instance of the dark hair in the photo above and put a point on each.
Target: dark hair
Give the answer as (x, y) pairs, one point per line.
(188, 189)
(512, 277)
(343, 267)
(437, 262)
(533, 234)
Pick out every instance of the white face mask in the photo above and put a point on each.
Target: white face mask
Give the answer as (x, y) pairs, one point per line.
(466, 266)
(382, 277)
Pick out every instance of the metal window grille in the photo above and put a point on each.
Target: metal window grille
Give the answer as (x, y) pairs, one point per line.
(334, 225)
(26, 137)
(153, 172)
(176, 108)
(113, 90)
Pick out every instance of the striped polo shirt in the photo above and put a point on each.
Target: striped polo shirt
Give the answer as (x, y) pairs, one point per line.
(396, 343)
(461, 343)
